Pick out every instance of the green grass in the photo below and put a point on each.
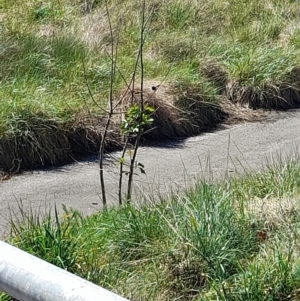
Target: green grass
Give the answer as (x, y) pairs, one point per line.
(236, 240)
(44, 45)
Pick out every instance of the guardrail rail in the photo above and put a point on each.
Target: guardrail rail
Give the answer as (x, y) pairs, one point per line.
(28, 278)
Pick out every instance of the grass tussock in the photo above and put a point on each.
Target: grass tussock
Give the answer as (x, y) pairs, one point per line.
(269, 96)
(34, 141)
(236, 240)
(245, 52)
(180, 109)
(38, 142)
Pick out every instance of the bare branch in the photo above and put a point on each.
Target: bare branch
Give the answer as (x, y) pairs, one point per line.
(110, 112)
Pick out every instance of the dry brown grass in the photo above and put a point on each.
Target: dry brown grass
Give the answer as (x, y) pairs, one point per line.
(46, 143)
(46, 31)
(273, 212)
(237, 113)
(180, 110)
(38, 143)
(270, 96)
(93, 29)
(216, 74)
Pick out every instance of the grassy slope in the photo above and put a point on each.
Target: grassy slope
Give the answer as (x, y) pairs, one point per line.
(238, 240)
(44, 45)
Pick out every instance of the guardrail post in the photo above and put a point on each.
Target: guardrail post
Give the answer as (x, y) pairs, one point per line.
(28, 278)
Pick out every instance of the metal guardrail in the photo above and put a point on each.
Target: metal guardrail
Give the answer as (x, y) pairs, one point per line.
(28, 278)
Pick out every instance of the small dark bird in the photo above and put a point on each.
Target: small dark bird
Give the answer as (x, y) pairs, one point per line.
(153, 88)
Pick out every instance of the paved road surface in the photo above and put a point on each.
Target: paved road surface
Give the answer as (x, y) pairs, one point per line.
(170, 166)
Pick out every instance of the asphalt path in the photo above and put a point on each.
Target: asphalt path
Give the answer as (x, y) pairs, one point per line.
(170, 167)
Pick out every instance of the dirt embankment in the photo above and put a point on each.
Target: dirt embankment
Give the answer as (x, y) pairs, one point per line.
(180, 111)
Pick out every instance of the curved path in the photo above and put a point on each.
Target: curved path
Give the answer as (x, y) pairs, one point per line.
(169, 167)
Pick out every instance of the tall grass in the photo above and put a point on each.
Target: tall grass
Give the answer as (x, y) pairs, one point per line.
(236, 240)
